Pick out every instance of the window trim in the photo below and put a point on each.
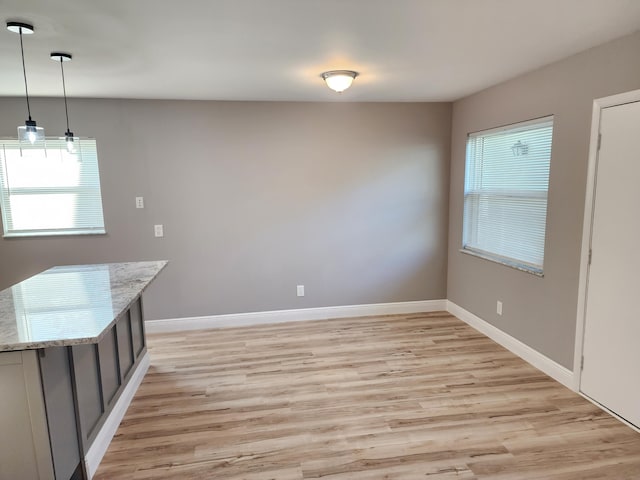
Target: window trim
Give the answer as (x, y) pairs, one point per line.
(501, 260)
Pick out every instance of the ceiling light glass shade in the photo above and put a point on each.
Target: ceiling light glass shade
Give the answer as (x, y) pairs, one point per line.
(69, 140)
(30, 132)
(339, 80)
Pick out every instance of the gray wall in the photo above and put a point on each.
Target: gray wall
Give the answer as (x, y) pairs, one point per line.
(350, 200)
(540, 312)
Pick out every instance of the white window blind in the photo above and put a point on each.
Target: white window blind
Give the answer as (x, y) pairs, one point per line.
(45, 190)
(505, 194)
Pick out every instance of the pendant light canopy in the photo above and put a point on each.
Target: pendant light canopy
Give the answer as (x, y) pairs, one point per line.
(29, 131)
(64, 57)
(339, 80)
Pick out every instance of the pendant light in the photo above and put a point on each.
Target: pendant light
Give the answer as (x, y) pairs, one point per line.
(29, 131)
(339, 80)
(65, 57)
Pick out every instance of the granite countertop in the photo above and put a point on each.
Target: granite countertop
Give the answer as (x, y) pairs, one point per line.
(70, 305)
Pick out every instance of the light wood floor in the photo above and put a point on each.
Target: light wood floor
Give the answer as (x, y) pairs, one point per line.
(399, 397)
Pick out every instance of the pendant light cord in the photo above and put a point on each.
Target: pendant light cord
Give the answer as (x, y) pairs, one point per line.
(64, 92)
(24, 71)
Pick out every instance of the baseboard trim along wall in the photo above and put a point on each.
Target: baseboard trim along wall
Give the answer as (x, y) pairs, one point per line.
(99, 446)
(543, 363)
(530, 355)
(302, 314)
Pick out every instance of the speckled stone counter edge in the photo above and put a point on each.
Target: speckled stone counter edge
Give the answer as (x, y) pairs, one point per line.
(128, 282)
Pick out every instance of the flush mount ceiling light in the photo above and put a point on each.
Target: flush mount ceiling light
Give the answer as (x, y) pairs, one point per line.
(339, 80)
(64, 57)
(29, 131)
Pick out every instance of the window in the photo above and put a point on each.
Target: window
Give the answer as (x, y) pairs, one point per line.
(45, 190)
(505, 194)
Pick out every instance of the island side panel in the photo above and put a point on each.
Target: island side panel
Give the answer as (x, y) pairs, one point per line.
(102, 371)
(137, 327)
(126, 355)
(86, 372)
(61, 417)
(109, 367)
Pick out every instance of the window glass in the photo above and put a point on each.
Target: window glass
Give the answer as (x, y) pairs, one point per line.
(46, 190)
(505, 195)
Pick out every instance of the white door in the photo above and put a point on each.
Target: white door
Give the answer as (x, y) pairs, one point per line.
(611, 371)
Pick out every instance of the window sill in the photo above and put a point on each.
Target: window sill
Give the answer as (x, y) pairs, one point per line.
(69, 233)
(502, 261)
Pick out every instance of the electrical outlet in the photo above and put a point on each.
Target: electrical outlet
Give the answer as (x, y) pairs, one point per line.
(300, 290)
(499, 307)
(158, 230)
(139, 202)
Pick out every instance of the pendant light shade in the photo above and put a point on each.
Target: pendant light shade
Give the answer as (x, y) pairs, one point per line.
(29, 132)
(339, 80)
(68, 135)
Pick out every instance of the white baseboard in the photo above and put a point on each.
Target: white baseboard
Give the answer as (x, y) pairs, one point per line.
(278, 316)
(99, 446)
(530, 355)
(535, 358)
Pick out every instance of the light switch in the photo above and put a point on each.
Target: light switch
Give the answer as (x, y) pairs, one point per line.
(159, 230)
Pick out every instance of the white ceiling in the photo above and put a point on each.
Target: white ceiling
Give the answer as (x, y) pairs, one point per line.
(405, 50)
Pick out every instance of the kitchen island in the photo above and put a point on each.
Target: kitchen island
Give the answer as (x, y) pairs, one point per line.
(72, 354)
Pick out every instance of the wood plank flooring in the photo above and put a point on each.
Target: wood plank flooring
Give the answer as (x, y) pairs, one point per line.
(420, 396)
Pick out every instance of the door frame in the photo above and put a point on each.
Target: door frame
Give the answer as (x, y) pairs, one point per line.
(587, 225)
